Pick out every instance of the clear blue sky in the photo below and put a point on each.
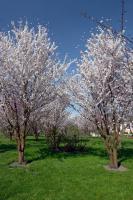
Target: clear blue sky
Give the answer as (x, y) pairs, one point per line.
(62, 17)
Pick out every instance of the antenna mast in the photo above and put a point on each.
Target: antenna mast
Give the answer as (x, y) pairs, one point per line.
(122, 15)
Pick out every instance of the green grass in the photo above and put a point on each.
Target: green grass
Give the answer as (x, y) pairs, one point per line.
(64, 176)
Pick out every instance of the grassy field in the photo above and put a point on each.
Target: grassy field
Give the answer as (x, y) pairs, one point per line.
(64, 176)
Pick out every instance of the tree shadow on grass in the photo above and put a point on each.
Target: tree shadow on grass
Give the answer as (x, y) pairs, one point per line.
(124, 153)
(40, 140)
(62, 154)
(7, 147)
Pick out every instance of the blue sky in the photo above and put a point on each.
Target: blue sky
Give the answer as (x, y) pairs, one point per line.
(62, 17)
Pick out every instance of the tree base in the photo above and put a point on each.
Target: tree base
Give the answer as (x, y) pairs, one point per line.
(16, 164)
(119, 169)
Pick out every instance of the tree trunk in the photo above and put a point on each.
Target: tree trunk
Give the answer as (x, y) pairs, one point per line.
(10, 135)
(36, 137)
(113, 158)
(36, 133)
(21, 157)
(113, 154)
(55, 146)
(21, 148)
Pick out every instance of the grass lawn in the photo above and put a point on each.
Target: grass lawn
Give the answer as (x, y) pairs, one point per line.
(64, 176)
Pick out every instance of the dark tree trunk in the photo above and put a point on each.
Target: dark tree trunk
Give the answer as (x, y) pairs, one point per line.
(36, 135)
(56, 139)
(10, 135)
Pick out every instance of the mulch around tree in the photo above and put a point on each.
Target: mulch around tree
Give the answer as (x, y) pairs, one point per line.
(16, 164)
(121, 168)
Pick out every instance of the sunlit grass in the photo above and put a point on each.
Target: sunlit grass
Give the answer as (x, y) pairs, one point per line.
(64, 176)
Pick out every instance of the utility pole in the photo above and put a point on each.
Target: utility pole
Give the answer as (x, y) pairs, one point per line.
(122, 15)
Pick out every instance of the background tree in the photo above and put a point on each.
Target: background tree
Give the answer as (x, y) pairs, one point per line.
(55, 121)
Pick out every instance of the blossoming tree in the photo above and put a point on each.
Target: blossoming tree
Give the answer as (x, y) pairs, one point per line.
(100, 87)
(28, 72)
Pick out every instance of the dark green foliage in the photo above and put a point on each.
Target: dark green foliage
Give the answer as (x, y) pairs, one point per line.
(73, 144)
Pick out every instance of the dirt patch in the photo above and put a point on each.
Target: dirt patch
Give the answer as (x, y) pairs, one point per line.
(16, 164)
(119, 169)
